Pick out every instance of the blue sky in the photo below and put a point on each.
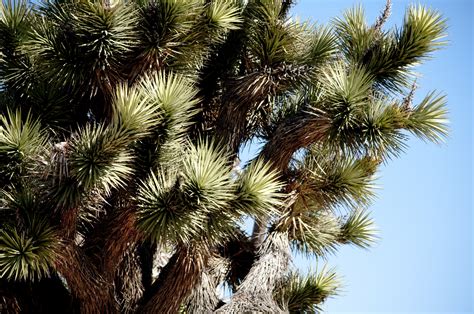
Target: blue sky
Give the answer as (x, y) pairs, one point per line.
(423, 261)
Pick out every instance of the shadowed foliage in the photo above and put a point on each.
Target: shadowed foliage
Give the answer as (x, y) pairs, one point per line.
(121, 125)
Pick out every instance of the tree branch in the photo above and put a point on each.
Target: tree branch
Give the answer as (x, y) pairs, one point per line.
(256, 291)
(176, 280)
(292, 134)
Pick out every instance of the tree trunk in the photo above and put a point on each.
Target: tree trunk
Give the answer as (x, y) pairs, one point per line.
(176, 280)
(255, 294)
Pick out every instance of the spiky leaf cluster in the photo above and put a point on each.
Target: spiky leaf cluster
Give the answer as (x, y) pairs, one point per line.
(302, 293)
(28, 255)
(121, 129)
(201, 198)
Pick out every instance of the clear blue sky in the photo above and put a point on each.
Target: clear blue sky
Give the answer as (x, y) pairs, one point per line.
(423, 262)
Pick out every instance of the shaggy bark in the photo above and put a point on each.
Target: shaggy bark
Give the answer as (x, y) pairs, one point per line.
(176, 281)
(256, 291)
(205, 296)
(294, 133)
(85, 281)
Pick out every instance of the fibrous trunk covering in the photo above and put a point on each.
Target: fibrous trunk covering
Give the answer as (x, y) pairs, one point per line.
(177, 279)
(255, 294)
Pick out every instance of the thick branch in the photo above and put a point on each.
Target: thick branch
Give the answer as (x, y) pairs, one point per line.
(205, 297)
(292, 134)
(255, 293)
(176, 280)
(245, 94)
(111, 239)
(85, 281)
(128, 284)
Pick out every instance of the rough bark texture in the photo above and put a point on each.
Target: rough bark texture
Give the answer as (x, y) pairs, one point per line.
(111, 239)
(294, 133)
(176, 281)
(205, 296)
(128, 283)
(256, 291)
(85, 281)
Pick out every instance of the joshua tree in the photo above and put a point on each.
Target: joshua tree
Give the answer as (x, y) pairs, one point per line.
(121, 124)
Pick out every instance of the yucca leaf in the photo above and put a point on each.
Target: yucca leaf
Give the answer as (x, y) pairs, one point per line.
(322, 47)
(429, 119)
(206, 175)
(21, 140)
(258, 190)
(27, 256)
(15, 24)
(353, 33)
(312, 234)
(83, 45)
(161, 214)
(305, 293)
(134, 114)
(99, 157)
(224, 15)
(421, 34)
(163, 29)
(382, 130)
(175, 97)
(332, 180)
(358, 229)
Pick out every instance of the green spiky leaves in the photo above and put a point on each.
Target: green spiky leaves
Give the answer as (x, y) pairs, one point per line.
(304, 293)
(273, 39)
(322, 46)
(159, 107)
(257, 190)
(224, 15)
(161, 214)
(201, 198)
(358, 229)
(420, 35)
(428, 120)
(312, 234)
(175, 206)
(178, 34)
(389, 56)
(206, 177)
(15, 22)
(84, 44)
(27, 255)
(134, 113)
(21, 140)
(175, 96)
(364, 122)
(344, 95)
(98, 157)
(329, 181)
(353, 33)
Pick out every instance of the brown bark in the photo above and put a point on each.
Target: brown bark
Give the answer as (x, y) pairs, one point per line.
(252, 91)
(176, 280)
(294, 133)
(109, 241)
(95, 295)
(104, 251)
(255, 293)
